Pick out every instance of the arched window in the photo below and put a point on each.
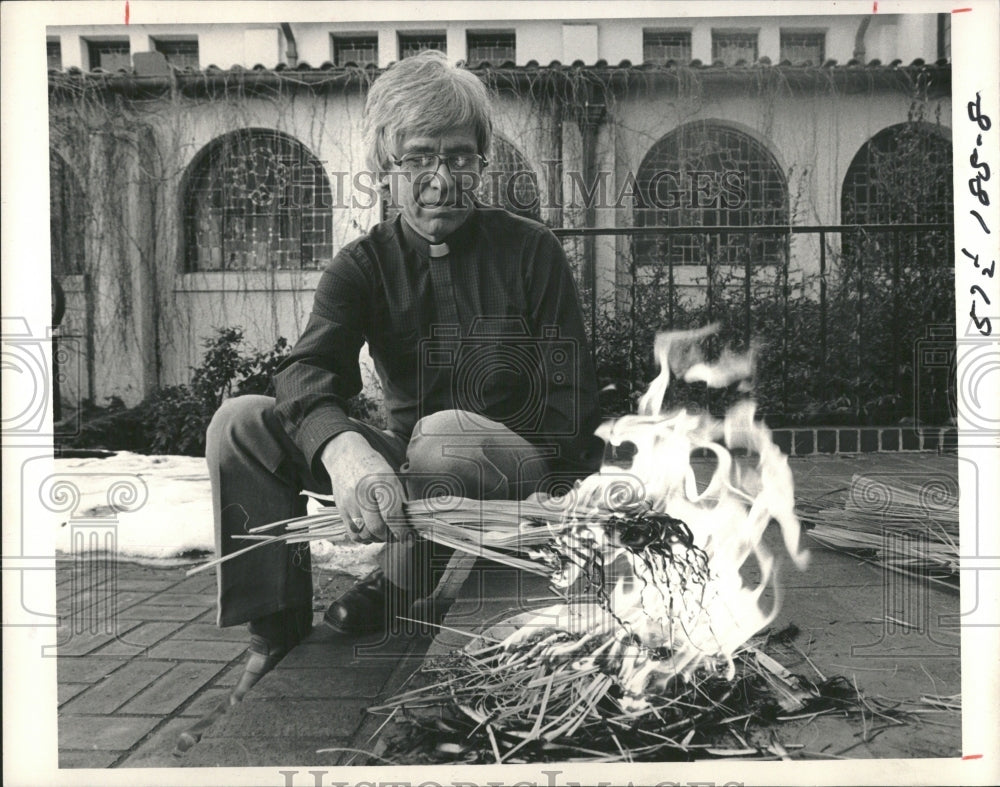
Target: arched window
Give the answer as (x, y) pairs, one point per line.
(509, 181)
(897, 283)
(706, 174)
(257, 199)
(901, 175)
(67, 218)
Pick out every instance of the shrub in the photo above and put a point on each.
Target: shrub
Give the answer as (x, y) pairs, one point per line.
(173, 420)
(880, 302)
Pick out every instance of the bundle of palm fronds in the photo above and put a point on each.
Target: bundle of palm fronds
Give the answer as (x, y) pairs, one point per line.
(501, 530)
(896, 524)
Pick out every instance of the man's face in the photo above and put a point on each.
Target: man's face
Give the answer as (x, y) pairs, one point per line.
(434, 203)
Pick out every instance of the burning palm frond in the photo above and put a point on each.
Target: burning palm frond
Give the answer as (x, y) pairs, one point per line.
(898, 525)
(652, 656)
(549, 695)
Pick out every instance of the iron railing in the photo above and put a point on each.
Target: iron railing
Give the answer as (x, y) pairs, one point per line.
(880, 288)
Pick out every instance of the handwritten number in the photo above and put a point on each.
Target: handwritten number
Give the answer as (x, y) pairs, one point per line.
(976, 183)
(981, 322)
(982, 170)
(977, 164)
(976, 190)
(980, 220)
(976, 114)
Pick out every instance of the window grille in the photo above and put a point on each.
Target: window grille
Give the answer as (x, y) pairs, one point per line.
(731, 48)
(901, 175)
(494, 48)
(659, 46)
(53, 53)
(509, 181)
(803, 48)
(360, 50)
(412, 43)
(110, 55)
(257, 199)
(181, 54)
(709, 175)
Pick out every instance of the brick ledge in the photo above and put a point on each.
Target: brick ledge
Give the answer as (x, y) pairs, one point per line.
(813, 440)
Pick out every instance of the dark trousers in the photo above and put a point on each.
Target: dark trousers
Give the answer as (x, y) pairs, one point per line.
(258, 474)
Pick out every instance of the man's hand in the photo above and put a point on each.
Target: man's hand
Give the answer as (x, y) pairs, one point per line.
(368, 492)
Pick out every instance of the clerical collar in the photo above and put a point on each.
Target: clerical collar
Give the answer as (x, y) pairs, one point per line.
(424, 248)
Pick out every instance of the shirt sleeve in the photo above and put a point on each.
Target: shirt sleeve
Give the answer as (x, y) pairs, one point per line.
(322, 372)
(571, 407)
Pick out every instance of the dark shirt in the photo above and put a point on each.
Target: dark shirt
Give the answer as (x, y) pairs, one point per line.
(494, 327)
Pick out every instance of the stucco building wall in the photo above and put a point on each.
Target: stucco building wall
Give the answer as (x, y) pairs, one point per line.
(139, 316)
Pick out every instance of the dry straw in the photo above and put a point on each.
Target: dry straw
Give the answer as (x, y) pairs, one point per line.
(503, 701)
(895, 524)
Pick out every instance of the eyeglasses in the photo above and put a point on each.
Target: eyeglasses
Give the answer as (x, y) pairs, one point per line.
(429, 162)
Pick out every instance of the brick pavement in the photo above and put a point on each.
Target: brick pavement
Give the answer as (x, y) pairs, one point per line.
(147, 659)
(140, 658)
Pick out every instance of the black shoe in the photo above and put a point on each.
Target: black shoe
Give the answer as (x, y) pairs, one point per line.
(368, 607)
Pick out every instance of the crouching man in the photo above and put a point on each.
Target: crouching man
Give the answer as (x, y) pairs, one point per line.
(473, 323)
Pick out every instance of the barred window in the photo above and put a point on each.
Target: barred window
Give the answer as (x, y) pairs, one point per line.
(110, 55)
(360, 50)
(257, 199)
(509, 181)
(53, 53)
(411, 43)
(709, 175)
(67, 218)
(659, 46)
(901, 175)
(179, 53)
(798, 47)
(733, 48)
(494, 48)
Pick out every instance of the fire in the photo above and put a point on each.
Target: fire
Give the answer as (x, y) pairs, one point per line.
(678, 603)
(666, 613)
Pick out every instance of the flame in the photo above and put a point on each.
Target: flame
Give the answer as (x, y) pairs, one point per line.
(683, 607)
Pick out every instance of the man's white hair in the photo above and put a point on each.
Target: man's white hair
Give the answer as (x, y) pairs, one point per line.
(423, 95)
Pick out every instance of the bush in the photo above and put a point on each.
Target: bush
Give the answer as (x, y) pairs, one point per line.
(173, 420)
(103, 427)
(880, 302)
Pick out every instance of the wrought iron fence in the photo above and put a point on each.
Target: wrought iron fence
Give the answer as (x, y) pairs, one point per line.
(841, 314)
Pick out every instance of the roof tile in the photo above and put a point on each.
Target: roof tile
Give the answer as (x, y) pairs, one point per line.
(530, 67)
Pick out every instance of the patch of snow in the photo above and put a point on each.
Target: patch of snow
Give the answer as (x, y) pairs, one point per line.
(159, 509)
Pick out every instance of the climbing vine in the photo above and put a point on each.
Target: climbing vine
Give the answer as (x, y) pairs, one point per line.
(129, 152)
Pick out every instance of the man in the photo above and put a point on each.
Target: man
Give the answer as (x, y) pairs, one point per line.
(473, 323)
